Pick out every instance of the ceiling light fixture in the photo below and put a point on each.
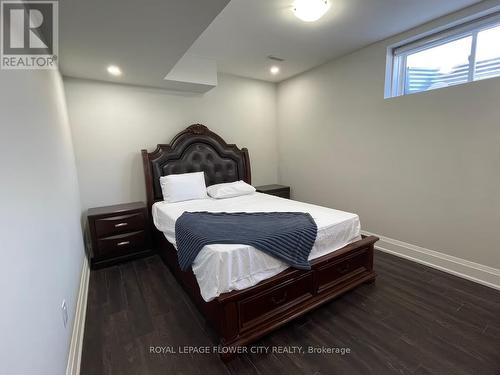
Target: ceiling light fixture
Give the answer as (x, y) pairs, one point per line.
(310, 10)
(274, 70)
(114, 70)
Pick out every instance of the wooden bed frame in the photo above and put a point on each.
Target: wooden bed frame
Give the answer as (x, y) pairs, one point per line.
(242, 317)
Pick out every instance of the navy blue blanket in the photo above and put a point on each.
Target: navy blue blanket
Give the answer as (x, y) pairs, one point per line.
(288, 236)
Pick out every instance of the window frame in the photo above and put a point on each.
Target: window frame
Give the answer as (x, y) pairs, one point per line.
(397, 54)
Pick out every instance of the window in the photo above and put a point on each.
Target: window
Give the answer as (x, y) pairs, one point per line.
(466, 53)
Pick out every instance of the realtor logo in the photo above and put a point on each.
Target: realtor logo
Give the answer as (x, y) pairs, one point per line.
(29, 34)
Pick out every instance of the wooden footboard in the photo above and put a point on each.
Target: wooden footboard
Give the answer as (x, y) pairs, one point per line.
(242, 317)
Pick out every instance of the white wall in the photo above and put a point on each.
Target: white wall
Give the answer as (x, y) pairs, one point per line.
(112, 123)
(423, 168)
(42, 247)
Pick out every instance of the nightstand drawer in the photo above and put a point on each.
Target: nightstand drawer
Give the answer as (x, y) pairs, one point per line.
(119, 224)
(281, 193)
(121, 243)
(276, 190)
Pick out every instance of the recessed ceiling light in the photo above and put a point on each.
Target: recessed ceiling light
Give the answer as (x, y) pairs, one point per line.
(114, 70)
(274, 70)
(310, 10)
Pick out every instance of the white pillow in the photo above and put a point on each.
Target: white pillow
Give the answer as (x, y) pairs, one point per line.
(230, 189)
(183, 187)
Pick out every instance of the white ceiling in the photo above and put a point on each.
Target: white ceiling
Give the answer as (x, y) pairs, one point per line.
(247, 31)
(145, 38)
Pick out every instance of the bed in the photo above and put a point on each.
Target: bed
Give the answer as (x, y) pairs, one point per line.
(243, 293)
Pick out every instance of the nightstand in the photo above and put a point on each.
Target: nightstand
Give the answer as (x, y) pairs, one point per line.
(277, 190)
(118, 233)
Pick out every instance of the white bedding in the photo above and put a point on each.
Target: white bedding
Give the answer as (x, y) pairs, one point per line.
(222, 268)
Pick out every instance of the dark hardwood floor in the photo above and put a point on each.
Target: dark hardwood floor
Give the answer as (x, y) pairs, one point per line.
(412, 320)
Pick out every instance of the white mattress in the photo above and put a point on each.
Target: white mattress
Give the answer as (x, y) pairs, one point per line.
(222, 268)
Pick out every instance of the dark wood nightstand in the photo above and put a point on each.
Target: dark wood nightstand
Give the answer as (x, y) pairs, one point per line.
(118, 233)
(278, 190)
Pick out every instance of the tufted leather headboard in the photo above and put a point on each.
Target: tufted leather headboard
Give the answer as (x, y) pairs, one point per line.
(195, 149)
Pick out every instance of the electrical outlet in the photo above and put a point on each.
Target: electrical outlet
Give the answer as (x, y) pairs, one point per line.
(64, 311)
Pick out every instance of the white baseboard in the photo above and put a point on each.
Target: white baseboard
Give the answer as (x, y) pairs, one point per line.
(75, 350)
(456, 266)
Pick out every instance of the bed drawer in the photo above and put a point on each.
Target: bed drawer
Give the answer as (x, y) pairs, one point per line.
(121, 243)
(267, 304)
(118, 224)
(342, 269)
